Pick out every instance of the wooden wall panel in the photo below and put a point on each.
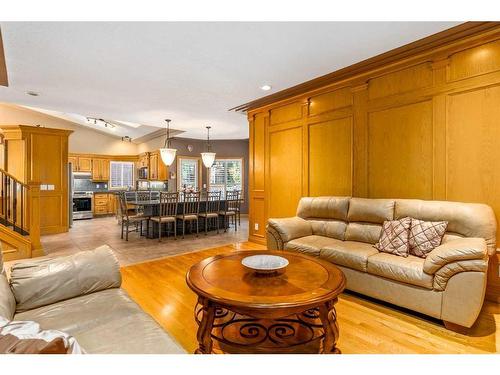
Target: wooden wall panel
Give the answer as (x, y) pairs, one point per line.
(402, 81)
(473, 144)
(475, 61)
(330, 157)
(400, 152)
(330, 101)
(285, 171)
(286, 113)
(426, 126)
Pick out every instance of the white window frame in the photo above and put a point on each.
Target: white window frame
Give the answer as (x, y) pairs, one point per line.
(121, 187)
(179, 171)
(241, 160)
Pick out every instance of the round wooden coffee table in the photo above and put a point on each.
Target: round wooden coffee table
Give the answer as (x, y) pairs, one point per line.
(243, 312)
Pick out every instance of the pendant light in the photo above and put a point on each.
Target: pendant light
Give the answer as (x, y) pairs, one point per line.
(209, 156)
(167, 153)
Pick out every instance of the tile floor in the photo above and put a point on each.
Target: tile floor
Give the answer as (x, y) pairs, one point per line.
(89, 234)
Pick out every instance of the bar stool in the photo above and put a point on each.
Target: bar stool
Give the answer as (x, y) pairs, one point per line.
(212, 208)
(190, 210)
(230, 209)
(167, 212)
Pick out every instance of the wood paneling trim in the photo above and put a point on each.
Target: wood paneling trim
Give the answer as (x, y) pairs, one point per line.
(428, 44)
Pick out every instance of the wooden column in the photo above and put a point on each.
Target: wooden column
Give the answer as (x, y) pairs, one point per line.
(33, 211)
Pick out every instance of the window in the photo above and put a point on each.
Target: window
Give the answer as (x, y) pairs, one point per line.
(188, 170)
(122, 174)
(226, 175)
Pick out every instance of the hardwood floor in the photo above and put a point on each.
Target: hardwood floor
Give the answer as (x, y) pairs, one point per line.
(366, 326)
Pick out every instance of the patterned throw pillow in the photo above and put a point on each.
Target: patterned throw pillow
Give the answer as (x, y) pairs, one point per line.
(394, 237)
(425, 236)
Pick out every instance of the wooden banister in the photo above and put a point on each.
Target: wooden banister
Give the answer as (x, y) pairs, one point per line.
(20, 207)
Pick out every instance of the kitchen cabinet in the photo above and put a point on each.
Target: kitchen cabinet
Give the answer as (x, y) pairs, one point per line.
(157, 170)
(104, 203)
(80, 163)
(143, 160)
(100, 169)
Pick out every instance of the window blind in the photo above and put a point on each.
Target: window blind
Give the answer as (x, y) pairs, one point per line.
(189, 173)
(122, 174)
(226, 175)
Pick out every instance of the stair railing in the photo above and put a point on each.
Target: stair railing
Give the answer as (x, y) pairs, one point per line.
(20, 206)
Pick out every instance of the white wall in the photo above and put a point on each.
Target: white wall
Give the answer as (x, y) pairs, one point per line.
(80, 141)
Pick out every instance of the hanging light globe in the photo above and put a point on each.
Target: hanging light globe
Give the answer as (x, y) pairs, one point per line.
(167, 154)
(208, 157)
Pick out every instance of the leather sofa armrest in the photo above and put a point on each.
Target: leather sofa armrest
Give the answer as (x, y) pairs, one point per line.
(288, 228)
(46, 281)
(457, 250)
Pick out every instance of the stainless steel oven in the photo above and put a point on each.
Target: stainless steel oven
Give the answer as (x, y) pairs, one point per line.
(82, 205)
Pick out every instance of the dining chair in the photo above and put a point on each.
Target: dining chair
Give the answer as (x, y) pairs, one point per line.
(167, 212)
(127, 219)
(190, 210)
(238, 207)
(230, 209)
(212, 208)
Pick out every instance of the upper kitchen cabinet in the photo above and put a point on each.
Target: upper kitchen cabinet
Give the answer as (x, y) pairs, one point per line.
(80, 163)
(143, 160)
(157, 170)
(100, 169)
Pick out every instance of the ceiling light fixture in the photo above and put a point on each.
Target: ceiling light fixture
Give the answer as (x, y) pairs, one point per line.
(167, 154)
(32, 93)
(209, 156)
(266, 87)
(126, 138)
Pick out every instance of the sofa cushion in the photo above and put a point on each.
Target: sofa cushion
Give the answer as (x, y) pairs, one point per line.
(409, 270)
(370, 210)
(42, 282)
(363, 232)
(425, 236)
(349, 254)
(394, 237)
(7, 301)
(329, 228)
(105, 322)
(328, 208)
(310, 245)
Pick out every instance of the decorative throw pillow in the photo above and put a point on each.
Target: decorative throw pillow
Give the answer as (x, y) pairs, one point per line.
(25, 337)
(425, 236)
(394, 237)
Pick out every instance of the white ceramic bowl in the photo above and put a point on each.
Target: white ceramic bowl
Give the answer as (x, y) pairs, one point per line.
(265, 263)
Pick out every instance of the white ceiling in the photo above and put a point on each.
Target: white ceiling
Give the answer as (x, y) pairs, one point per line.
(190, 72)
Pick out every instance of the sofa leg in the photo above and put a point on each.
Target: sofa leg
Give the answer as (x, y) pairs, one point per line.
(456, 328)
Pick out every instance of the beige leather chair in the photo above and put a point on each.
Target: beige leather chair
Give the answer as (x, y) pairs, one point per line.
(81, 295)
(449, 284)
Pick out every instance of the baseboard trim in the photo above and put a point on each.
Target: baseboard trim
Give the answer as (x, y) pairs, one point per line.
(259, 240)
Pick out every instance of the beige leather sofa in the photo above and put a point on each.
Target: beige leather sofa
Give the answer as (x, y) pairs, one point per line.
(81, 295)
(449, 284)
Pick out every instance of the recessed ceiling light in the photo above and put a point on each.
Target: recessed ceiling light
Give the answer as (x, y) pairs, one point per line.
(266, 87)
(33, 93)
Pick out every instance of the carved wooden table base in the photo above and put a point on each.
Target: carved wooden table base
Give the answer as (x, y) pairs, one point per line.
(312, 331)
